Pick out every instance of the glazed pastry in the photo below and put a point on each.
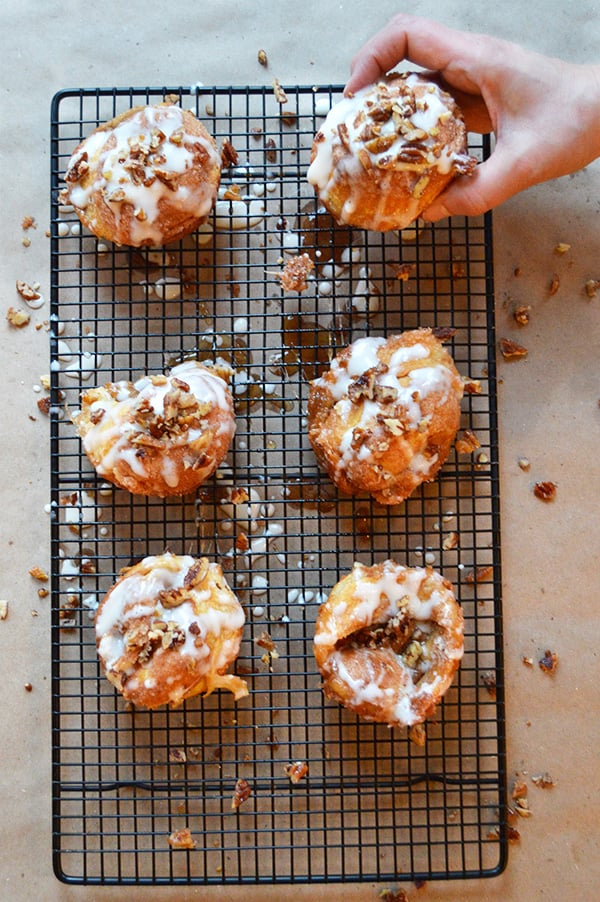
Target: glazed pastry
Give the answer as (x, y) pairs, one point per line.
(383, 418)
(148, 177)
(388, 641)
(162, 435)
(383, 155)
(168, 629)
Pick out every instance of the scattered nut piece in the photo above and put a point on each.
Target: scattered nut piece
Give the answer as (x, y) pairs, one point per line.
(480, 574)
(591, 287)
(512, 350)
(545, 491)
(403, 272)
(39, 574)
(26, 291)
(262, 58)
(280, 95)
(544, 781)
(17, 318)
(524, 463)
(562, 248)
(182, 839)
(554, 284)
(3, 609)
(512, 834)
(28, 687)
(177, 756)
(549, 662)
(241, 793)
(296, 771)
(229, 155)
(528, 662)
(472, 386)
(270, 150)
(44, 406)
(388, 895)
(521, 314)
(450, 542)
(295, 273)
(488, 678)
(418, 734)
(467, 442)
(28, 223)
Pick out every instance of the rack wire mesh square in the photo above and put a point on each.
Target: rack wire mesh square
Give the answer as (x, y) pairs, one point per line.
(374, 804)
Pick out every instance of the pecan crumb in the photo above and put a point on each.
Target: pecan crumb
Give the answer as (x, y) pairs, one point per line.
(44, 406)
(17, 318)
(549, 662)
(295, 273)
(554, 284)
(403, 272)
(528, 662)
(262, 58)
(472, 386)
(524, 463)
(28, 687)
(182, 839)
(241, 793)
(26, 291)
(544, 781)
(229, 155)
(467, 443)
(177, 756)
(480, 574)
(418, 734)
(388, 895)
(512, 350)
(562, 248)
(39, 574)
(296, 771)
(280, 95)
(521, 314)
(3, 609)
(28, 223)
(591, 287)
(451, 541)
(545, 491)
(265, 641)
(488, 678)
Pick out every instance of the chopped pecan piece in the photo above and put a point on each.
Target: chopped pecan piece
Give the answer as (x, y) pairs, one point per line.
(229, 155)
(296, 771)
(241, 793)
(182, 839)
(294, 275)
(512, 350)
(549, 662)
(467, 442)
(545, 491)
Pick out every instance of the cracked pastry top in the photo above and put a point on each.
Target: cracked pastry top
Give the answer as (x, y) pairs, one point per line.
(388, 641)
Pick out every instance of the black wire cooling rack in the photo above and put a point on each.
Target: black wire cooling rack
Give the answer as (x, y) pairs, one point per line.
(374, 805)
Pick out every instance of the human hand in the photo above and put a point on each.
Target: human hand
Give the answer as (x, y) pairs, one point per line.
(544, 112)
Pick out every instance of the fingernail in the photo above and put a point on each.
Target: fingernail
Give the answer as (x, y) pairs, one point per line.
(435, 212)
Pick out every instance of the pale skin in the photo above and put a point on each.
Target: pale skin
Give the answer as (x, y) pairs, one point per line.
(543, 111)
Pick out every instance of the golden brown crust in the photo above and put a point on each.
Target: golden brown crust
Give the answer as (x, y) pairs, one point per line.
(148, 177)
(382, 157)
(388, 641)
(163, 435)
(168, 629)
(386, 428)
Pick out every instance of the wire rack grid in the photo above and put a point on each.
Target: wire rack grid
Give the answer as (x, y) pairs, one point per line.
(374, 804)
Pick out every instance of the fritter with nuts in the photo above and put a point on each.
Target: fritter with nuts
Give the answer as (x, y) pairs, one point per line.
(168, 629)
(383, 418)
(388, 641)
(162, 435)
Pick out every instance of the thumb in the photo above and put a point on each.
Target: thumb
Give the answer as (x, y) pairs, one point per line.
(493, 181)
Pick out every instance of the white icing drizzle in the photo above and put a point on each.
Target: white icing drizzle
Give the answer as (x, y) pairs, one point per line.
(109, 155)
(329, 164)
(381, 598)
(136, 596)
(411, 389)
(109, 439)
